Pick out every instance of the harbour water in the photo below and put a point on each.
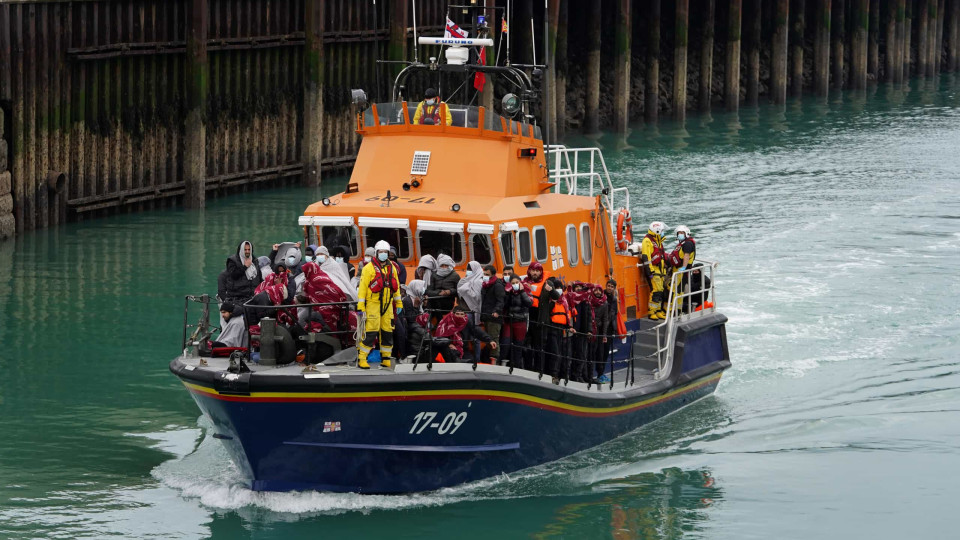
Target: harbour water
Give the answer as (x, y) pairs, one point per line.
(838, 230)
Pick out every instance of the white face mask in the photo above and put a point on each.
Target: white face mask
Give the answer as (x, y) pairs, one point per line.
(469, 273)
(516, 286)
(432, 101)
(366, 259)
(321, 259)
(382, 256)
(338, 259)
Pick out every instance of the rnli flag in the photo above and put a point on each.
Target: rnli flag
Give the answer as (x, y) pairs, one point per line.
(479, 79)
(504, 29)
(453, 30)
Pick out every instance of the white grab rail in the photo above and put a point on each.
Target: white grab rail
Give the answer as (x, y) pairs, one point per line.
(568, 166)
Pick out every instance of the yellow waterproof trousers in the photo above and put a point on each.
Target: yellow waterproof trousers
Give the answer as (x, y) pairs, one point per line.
(377, 326)
(655, 306)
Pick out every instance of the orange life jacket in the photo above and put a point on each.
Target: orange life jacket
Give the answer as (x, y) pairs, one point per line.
(560, 316)
(383, 276)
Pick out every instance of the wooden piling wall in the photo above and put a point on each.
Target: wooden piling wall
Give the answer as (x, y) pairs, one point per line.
(103, 109)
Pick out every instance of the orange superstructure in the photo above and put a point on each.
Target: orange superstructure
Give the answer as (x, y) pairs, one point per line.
(480, 189)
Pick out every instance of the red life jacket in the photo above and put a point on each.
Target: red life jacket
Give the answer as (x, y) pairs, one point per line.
(384, 277)
(435, 114)
(674, 259)
(658, 251)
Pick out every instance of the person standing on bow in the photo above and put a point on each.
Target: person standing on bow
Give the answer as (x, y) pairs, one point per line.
(428, 111)
(536, 283)
(380, 301)
(442, 288)
(652, 262)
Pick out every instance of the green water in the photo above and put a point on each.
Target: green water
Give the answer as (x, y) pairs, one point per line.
(838, 228)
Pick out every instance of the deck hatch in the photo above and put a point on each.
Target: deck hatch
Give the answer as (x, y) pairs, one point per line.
(421, 162)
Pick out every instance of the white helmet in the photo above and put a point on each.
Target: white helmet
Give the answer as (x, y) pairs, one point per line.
(382, 245)
(682, 229)
(658, 227)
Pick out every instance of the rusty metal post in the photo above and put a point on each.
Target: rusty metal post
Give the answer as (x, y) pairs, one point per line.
(837, 46)
(778, 68)
(821, 50)
(198, 74)
(312, 146)
(681, 38)
(651, 106)
(706, 57)
(622, 57)
(560, 66)
(591, 116)
(731, 85)
(873, 41)
(798, 29)
(753, 52)
(923, 38)
(858, 44)
(890, 52)
(907, 33)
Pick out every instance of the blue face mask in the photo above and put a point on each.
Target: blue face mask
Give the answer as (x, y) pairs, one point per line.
(681, 237)
(291, 260)
(469, 273)
(307, 258)
(338, 259)
(321, 259)
(382, 256)
(516, 286)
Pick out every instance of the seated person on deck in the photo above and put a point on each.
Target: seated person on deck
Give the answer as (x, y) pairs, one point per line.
(234, 332)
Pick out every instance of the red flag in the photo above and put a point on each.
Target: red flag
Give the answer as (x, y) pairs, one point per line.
(479, 78)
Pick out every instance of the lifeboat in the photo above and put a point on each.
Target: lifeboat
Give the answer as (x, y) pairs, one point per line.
(484, 188)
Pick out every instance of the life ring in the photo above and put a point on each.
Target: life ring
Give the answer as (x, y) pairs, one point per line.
(624, 229)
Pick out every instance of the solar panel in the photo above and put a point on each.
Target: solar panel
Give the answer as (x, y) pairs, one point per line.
(421, 161)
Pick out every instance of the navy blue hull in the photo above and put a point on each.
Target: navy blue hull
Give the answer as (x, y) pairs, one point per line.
(408, 432)
(379, 449)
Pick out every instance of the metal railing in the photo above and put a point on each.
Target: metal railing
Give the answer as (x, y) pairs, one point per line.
(680, 300)
(569, 166)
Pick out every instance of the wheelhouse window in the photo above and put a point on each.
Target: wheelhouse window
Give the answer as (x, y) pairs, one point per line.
(507, 248)
(523, 242)
(573, 255)
(346, 237)
(441, 243)
(481, 249)
(397, 238)
(540, 244)
(586, 242)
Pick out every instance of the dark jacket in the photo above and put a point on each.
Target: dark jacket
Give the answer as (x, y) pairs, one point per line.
(415, 332)
(237, 285)
(602, 316)
(401, 272)
(516, 305)
(438, 284)
(491, 301)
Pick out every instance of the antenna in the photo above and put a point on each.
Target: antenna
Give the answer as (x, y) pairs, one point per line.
(533, 41)
(416, 57)
(376, 49)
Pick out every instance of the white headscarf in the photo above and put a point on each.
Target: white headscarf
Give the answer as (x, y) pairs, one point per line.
(251, 271)
(338, 273)
(445, 260)
(428, 262)
(416, 289)
(469, 287)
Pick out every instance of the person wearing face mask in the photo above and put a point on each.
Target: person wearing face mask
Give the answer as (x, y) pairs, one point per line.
(309, 254)
(428, 111)
(516, 310)
(242, 274)
(652, 259)
(342, 257)
(681, 258)
(507, 273)
(492, 295)
(448, 342)
(412, 309)
(400, 266)
(537, 283)
(380, 301)
(442, 289)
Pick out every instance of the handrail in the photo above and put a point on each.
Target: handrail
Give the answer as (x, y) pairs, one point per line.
(570, 165)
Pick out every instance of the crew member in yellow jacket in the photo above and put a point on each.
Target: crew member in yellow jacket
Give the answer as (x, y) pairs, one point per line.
(652, 258)
(380, 300)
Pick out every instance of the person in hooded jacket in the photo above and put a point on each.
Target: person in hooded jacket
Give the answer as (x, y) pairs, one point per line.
(492, 295)
(556, 317)
(412, 309)
(536, 284)
(243, 274)
(400, 266)
(602, 330)
(516, 311)
(442, 289)
(233, 333)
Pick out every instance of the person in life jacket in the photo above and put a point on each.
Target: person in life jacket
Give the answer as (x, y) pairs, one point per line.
(558, 315)
(654, 268)
(681, 258)
(536, 283)
(428, 110)
(380, 300)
